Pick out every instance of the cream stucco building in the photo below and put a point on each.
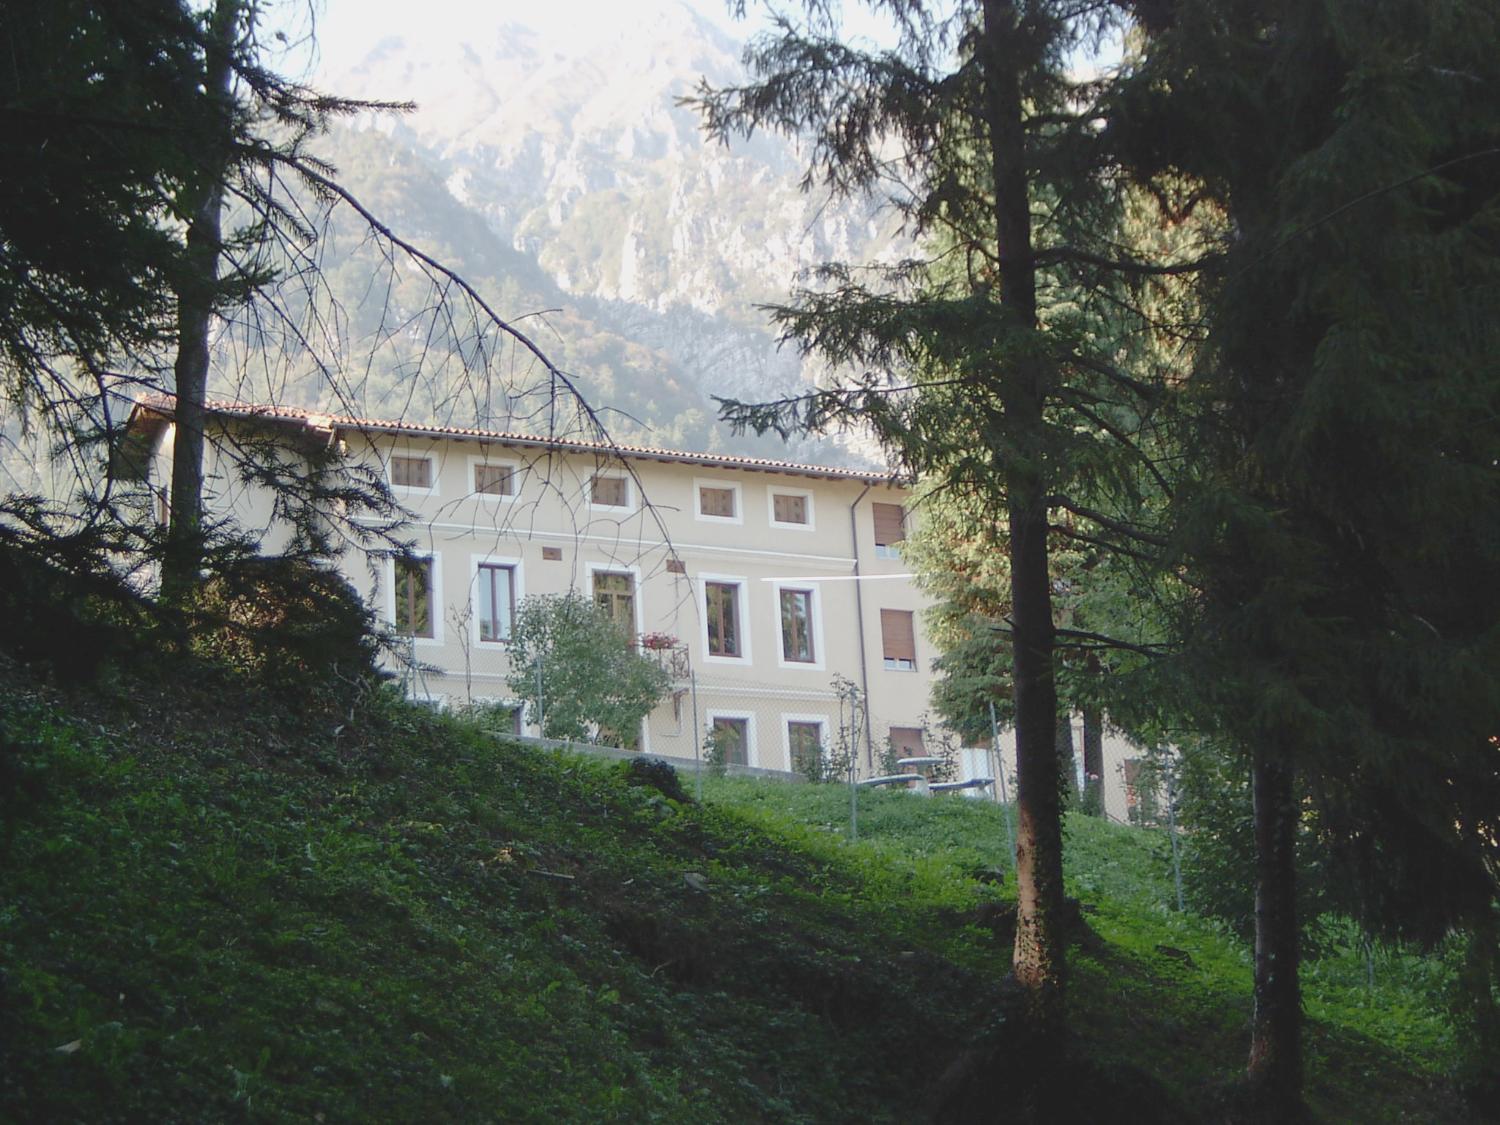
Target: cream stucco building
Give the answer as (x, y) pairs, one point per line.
(759, 583)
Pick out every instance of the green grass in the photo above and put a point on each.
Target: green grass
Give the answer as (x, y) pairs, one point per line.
(1379, 1050)
(210, 909)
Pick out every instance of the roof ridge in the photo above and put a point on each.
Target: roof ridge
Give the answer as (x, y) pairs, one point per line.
(328, 420)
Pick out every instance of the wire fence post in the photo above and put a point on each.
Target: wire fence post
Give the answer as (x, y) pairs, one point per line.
(541, 723)
(1010, 833)
(1171, 772)
(857, 712)
(697, 736)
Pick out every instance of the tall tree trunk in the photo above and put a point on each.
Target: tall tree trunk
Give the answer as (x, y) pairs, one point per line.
(1093, 758)
(197, 292)
(1038, 960)
(1275, 1067)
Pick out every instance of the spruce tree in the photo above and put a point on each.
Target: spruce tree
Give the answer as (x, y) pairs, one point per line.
(1340, 506)
(982, 365)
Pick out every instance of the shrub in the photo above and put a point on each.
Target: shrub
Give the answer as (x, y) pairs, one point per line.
(294, 626)
(578, 672)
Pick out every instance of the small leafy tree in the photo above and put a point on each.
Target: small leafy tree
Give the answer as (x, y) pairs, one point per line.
(578, 672)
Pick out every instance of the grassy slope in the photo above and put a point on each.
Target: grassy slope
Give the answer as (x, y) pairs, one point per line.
(204, 915)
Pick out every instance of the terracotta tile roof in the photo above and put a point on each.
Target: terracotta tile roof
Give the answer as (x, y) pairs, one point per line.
(165, 404)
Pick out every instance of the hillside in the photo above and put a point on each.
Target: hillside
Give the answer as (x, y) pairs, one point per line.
(216, 905)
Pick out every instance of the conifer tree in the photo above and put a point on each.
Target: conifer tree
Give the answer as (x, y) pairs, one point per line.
(981, 365)
(1340, 506)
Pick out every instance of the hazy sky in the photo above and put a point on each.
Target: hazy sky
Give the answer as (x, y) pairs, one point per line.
(347, 29)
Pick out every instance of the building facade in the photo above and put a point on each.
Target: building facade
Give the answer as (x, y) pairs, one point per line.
(774, 593)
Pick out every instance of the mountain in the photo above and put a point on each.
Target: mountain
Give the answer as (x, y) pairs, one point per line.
(569, 178)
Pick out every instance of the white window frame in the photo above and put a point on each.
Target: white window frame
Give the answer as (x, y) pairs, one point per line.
(435, 598)
(773, 490)
(437, 700)
(428, 455)
(518, 591)
(700, 483)
(742, 611)
(491, 497)
(820, 657)
(592, 568)
(615, 509)
(788, 718)
(752, 749)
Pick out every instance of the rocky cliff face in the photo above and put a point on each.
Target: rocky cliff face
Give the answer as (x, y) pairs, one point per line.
(580, 159)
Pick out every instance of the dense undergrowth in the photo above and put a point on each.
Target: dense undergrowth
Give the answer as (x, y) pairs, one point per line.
(213, 906)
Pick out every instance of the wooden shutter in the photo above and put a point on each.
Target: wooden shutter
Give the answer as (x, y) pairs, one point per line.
(890, 524)
(716, 502)
(898, 635)
(411, 472)
(493, 480)
(608, 492)
(788, 508)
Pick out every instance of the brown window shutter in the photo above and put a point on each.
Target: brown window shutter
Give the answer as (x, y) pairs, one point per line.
(716, 502)
(493, 480)
(411, 472)
(608, 492)
(898, 634)
(890, 524)
(787, 508)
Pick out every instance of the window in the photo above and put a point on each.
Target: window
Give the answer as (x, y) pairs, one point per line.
(805, 746)
(731, 739)
(890, 529)
(497, 600)
(906, 742)
(413, 589)
(411, 472)
(898, 639)
(722, 605)
(614, 593)
(717, 503)
(494, 480)
(609, 491)
(797, 626)
(793, 509)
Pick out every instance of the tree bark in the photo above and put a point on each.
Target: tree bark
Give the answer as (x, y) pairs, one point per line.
(1038, 958)
(1275, 1066)
(197, 292)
